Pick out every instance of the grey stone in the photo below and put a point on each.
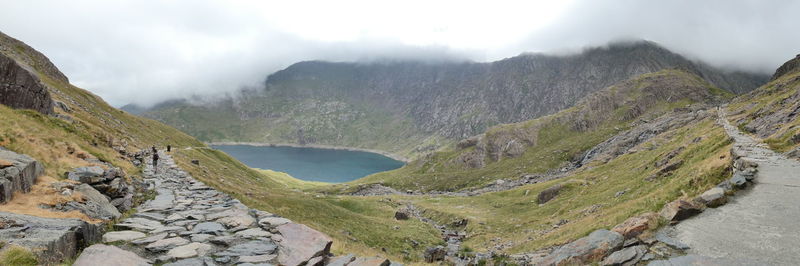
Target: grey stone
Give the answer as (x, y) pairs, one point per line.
(698, 260)
(201, 237)
(714, 197)
(189, 250)
(257, 258)
(250, 248)
(166, 244)
(271, 222)
(253, 233)
(149, 239)
(88, 174)
(595, 246)
(122, 236)
(54, 239)
(434, 254)
(626, 256)
(102, 255)
(21, 174)
(209, 228)
(106, 211)
(301, 243)
(662, 237)
(342, 260)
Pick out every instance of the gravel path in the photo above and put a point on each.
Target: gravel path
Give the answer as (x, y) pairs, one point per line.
(761, 225)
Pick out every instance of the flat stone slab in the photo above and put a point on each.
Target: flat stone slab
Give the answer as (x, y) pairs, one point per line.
(103, 255)
(122, 236)
(301, 243)
(55, 235)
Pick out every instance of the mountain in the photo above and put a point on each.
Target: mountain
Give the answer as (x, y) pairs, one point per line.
(393, 105)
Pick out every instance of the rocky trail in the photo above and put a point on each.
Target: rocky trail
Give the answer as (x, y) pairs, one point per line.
(189, 223)
(759, 226)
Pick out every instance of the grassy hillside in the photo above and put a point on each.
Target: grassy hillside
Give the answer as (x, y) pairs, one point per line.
(93, 129)
(588, 200)
(511, 150)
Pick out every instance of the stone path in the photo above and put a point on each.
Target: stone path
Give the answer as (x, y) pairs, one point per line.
(761, 225)
(189, 223)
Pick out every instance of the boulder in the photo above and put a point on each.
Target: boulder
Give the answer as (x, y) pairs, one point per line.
(434, 254)
(300, 244)
(585, 250)
(370, 261)
(18, 174)
(53, 239)
(634, 226)
(626, 257)
(88, 174)
(714, 197)
(21, 88)
(679, 210)
(122, 236)
(91, 196)
(739, 180)
(102, 255)
(402, 214)
(549, 193)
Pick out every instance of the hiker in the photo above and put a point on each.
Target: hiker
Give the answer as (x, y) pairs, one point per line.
(169, 148)
(155, 159)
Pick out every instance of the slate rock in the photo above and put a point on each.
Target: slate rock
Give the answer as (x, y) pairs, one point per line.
(189, 250)
(679, 210)
(301, 243)
(342, 260)
(714, 197)
(253, 233)
(593, 247)
(434, 254)
(271, 222)
(122, 236)
(88, 174)
(61, 238)
(625, 257)
(106, 211)
(166, 244)
(102, 255)
(209, 228)
(370, 261)
(251, 248)
(635, 226)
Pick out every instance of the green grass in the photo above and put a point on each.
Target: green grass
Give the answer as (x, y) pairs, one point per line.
(17, 256)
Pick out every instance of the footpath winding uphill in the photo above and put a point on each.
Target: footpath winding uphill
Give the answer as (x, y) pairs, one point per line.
(189, 223)
(760, 225)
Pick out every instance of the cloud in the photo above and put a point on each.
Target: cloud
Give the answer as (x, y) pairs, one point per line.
(143, 52)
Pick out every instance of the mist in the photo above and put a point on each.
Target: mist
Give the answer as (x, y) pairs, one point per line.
(145, 52)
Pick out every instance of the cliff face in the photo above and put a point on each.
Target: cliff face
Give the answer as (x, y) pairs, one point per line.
(316, 102)
(21, 89)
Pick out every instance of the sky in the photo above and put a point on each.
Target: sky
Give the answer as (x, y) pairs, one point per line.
(147, 51)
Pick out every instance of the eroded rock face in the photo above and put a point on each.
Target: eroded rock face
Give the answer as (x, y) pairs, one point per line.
(300, 244)
(53, 239)
(21, 89)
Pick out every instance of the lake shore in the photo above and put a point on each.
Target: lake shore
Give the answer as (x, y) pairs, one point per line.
(316, 146)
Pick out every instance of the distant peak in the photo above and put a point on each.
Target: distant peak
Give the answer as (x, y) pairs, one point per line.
(790, 66)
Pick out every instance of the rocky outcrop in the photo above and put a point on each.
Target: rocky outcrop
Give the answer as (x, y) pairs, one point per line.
(52, 239)
(549, 193)
(788, 67)
(18, 172)
(20, 88)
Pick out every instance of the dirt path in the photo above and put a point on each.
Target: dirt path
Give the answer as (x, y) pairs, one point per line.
(761, 225)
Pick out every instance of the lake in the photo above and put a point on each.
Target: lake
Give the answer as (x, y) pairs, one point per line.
(312, 164)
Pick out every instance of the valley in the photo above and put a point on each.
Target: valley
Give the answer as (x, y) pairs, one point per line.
(624, 154)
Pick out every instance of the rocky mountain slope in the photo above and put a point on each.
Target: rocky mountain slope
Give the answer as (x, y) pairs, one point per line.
(611, 120)
(391, 105)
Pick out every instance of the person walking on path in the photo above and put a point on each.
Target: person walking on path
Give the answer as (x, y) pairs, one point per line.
(155, 160)
(169, 148)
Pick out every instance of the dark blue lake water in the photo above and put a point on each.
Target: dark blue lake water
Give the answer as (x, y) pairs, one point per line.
(312, 164)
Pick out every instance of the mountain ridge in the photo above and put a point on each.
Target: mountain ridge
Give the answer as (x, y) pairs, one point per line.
(317, 102)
